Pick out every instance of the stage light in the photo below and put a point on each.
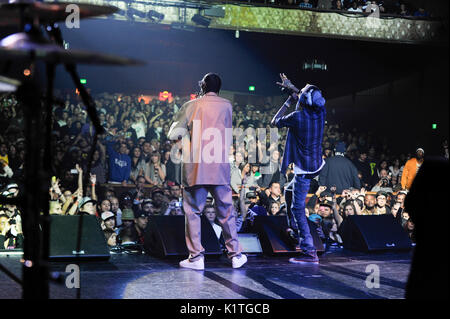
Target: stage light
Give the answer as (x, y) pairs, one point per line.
(236, 34)
(193, 96)
(83, 81)
(155, 16)
(434, 126)
(251, 88)
(315, 65)
(201, 20)
(165, 95)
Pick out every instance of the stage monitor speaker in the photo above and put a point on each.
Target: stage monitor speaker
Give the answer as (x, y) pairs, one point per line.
(250, 243)
(274, 240)
(165, 237)
(64, 232)
(372, 233)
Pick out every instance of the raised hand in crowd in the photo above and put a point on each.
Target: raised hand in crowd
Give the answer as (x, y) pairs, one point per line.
(320, 190)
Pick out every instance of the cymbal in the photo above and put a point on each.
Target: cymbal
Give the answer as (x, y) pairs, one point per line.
(8, 85)
(23, 46)
(11, 13)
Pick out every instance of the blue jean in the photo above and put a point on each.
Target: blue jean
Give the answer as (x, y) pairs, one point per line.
(300, 187)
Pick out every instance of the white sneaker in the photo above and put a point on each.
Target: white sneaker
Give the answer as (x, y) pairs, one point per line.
(197, 265)
(238, 262)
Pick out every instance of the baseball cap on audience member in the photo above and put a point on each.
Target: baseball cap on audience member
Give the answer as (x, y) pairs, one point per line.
(106, 215)
(127, 214)
(420, 149)
(157, 190)
(340, 147)
(326, 203)
(147, 201)
(381, 193)
(140, 213)
(84, 201)
(315, 217)
(326, 193)
(12, 186)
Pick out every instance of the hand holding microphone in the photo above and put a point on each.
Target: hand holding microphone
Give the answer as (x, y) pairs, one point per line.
(287, 86)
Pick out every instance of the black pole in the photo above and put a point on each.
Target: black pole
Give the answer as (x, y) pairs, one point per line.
(35, 273)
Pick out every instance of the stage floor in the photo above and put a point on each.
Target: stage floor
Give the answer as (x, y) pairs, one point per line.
(341, 275)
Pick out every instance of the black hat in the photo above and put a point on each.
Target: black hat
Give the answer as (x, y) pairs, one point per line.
(326, 194)
(157, 190)
(140, 213)
(326, 203)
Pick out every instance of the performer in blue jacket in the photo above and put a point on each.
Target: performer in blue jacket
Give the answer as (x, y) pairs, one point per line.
(303, 148)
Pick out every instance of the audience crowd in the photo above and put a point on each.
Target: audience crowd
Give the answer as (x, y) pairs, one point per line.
(132, 175)
(390, 7)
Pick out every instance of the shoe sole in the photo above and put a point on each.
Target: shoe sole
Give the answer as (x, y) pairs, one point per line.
(236, 267)
(192, 268)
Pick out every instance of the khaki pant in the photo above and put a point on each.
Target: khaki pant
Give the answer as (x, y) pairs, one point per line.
(194, 200)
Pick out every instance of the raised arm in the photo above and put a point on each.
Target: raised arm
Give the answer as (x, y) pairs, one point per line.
(93, 179)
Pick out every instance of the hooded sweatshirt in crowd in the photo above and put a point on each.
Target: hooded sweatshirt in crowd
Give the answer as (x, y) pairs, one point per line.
(119, 164)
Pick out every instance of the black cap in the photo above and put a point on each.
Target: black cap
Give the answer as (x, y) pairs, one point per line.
(140, 213)
(326, 203)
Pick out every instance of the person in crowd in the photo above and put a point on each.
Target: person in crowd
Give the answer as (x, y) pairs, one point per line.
(339, 171)
(210, 213)
(108, 221)
(140, 227)
(403, 10)
(55, 208)
(411, 168)
(111, 237)
(146, 151)
(160, 201)
(305, 4)
(155, 171)
(236, 173)
(119, 163)
(86, 206)
(421, 12)
(99, 166)
(409, 228)
(4, 153)
(369, 205)
(363, 167)
(270, 195)
(271, 172)
(11, 235)
(395, 171)
(139, 125)
(127, 219)
(380, 207)
(354, 7)
(384, 183)
(137, 164)
(337, 5)
(104, 206)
